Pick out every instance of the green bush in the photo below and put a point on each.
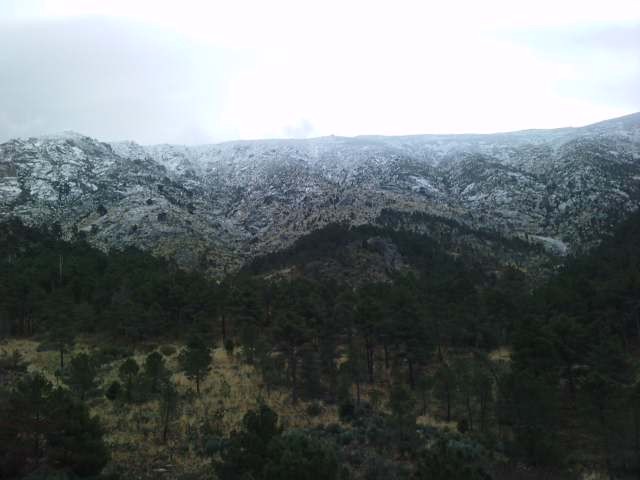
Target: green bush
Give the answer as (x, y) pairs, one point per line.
(452, 459)
(168, 350)
(314, 409)
(114, 390)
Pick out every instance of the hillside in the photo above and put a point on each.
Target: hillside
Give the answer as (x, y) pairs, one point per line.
(449, 361)
(215, 207)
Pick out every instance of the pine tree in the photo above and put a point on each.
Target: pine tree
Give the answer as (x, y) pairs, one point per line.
(29, 407)
(168, 407)
(75, 439)
(155, 370)
(464, 373)
(402, 404)
(482, 384)
(44, 429)
(445, 386)
(81, 375)
(62, 337)
(128, 372)
(291, 332)
(424, 387)
(195, 360)
(310, 374)
(247, 451)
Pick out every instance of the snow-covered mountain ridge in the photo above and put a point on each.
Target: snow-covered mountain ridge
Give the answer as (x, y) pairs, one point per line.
(216, 206)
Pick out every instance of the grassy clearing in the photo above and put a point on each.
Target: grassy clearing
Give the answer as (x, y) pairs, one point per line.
(133, 431)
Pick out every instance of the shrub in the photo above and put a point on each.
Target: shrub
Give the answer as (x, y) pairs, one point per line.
(314, 409)
(168, 350)
(114, 390)
(214, 445)
(452, 459)
(346, 411)
(229, 346)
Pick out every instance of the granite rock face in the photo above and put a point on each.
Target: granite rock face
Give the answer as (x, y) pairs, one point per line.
(216, 206)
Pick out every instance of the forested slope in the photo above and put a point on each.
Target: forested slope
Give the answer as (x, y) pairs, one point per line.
(434, 364)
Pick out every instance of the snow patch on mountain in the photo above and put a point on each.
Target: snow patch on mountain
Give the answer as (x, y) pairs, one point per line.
(225, 203)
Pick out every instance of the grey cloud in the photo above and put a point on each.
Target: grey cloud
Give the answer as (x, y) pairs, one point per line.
(116, 79)
(106, 78)
(583, 48)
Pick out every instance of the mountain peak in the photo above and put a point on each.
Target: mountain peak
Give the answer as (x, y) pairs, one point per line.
(64, 135)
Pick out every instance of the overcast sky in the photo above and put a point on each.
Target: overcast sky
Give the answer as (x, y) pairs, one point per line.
(194, 72)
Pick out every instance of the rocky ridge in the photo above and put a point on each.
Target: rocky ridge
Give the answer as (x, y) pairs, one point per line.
(216, 206)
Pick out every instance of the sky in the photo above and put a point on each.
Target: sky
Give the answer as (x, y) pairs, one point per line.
(191, 72)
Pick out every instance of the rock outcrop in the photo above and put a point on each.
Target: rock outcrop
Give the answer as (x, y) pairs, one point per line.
(216, 206)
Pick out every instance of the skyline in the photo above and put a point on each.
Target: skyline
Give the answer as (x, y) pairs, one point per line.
(284, 138)
(207, 72)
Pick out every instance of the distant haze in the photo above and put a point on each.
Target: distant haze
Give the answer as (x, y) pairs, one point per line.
(197, 72)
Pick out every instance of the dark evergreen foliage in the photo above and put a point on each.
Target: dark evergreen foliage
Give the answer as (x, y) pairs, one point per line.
(42, 427)
(423, 338)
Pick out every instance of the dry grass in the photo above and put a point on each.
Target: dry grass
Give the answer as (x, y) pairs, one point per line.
(431, 421)
(500, 354)
(45, 362)
(133, 432)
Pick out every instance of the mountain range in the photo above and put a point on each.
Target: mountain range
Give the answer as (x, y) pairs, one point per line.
(217, 207)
